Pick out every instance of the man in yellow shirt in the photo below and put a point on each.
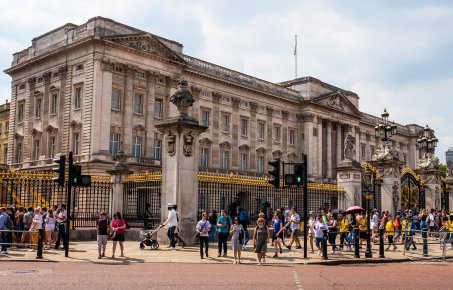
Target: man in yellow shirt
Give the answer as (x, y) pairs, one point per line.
(390, 232)
(449, 227)
(344, 229)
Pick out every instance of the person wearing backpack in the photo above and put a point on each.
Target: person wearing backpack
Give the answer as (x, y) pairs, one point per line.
(27, 220)
(244, 220)
(5, 225)
(223, 226)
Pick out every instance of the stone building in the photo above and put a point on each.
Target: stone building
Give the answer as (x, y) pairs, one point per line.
(102, 86)
(4, 128)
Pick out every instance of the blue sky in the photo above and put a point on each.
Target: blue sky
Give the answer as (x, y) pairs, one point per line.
(394, 54)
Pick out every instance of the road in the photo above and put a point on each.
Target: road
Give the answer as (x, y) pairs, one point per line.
(82, 275)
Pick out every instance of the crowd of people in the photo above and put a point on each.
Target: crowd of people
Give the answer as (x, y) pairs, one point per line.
(18, 227)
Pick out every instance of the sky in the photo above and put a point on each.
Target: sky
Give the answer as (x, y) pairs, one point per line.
(394, 54)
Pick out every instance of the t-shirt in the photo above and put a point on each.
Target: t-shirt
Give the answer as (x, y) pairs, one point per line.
(390, 228)
(431, 220)
(277, 225)
(28, 219)
(224, 221)
(117, 224)
(319, 226)
(295, 221)
(204, 227)
(344, 225)
(311, 225)
(103, 225)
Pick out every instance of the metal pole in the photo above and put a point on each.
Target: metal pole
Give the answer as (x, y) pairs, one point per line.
(356, 242)
(305, 204)
(368, 253)
(66, 246)
(324, 245)
(381, 243)
(425, 243)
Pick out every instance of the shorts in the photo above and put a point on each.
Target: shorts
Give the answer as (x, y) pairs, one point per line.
(318, 241)
(280, 236)
(373, 226)
(363, 235)
(296, 232)
(102, 240)
(119, 238)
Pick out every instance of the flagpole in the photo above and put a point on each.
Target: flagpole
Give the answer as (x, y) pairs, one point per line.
(295, 55)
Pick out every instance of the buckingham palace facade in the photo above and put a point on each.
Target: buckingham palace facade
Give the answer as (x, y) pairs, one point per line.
(101, 87)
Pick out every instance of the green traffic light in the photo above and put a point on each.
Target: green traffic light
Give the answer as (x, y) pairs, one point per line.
(299, 179)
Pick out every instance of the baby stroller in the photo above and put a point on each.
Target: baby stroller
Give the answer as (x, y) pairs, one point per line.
(147, 240)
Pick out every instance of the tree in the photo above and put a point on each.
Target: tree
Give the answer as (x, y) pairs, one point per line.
(442, 168)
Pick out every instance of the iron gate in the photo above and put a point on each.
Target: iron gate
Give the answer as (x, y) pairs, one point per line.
(412, 191)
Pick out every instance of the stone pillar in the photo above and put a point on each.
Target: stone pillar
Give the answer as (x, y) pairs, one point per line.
(329, 149)
(391, 183)
(319, 156)
(180, 164)
(431, 178)
(118, 176)
(349, 175)
(339, 142)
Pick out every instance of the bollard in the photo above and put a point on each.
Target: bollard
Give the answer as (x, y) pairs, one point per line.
(356, 244)
(40, 241)
(425, 243)
(324, 245)
(381, 243)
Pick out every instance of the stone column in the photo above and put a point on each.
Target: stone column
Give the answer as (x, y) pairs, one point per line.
(391, 183)
(118, 176)
(180, 164)
(432, 187)
(216, 117)
(329, 149)
(319, 149)
(349, 175)
(339, 142)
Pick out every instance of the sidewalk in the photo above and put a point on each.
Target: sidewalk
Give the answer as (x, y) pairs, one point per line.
(87, 252)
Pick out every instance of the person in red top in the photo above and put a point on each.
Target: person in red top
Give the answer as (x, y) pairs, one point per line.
(118, 228)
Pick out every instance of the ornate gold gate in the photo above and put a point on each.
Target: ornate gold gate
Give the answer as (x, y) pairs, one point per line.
(412, 190)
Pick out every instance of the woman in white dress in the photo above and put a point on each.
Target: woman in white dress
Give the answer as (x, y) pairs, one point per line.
(49, 228)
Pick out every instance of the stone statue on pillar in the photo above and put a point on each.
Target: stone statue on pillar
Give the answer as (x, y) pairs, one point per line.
(349, 147)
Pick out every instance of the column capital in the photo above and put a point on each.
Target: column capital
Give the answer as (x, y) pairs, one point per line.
(236, 101)
(216, 97)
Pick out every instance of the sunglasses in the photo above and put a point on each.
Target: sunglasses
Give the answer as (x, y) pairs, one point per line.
(261, 221)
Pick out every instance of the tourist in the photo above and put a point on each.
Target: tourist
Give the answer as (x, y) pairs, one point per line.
(203, 228)
(237, 237)
(344, 229)
(119, 228)
(332, 226)
(27, 220)
(244, 220)
(103, 229)
(311, 230)
(374, 225)
(5, 221)
(49, 228)
(319, 228)
(62, 223)
(410, 229)
(449, 227)
(278, 234)
(260, 240)
(223, 225)
(19, 224)
(172, 222)
(390, 233)
(363, 227)
(213, 221)
(294, 224)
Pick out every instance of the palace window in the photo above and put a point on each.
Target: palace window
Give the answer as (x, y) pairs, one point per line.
(244, 127)
(20, 113)
(138, 104)
(243, 162)
(116, 99)
(53, 104)
(261, 164)
(204, 155)
(38, 108)
(5, 153)
(76, 143)
(137, 146)
(158, 108)
(292, 137)
(36, 149)
(225, 123)
(225, 160)
(78, 98)
(52, 146)
(277, 136)
(18, 156)
(157, 151)
(261, 130)
(114, 143)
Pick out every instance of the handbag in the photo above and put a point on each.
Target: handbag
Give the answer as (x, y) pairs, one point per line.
(241, 235)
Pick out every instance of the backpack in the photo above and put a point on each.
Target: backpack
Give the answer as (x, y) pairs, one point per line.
(397, 224)
(244, 217)
(8, 223)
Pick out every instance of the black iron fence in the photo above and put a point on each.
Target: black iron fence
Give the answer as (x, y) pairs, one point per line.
(32, 189)
(255, 195)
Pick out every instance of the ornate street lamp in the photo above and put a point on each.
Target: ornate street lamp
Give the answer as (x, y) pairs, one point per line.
(427, 141)
(384, 129)
(368, 192)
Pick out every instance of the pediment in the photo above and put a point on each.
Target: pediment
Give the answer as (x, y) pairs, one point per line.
(148, 43)
(337, 101)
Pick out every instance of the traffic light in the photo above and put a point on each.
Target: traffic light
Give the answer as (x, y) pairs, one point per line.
(299, 176)
(78, 179)
(60, 170)
(275, 173)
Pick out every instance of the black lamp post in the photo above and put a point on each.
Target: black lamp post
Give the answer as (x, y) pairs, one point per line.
(368, 192)
(384, 129)
(427, 141)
